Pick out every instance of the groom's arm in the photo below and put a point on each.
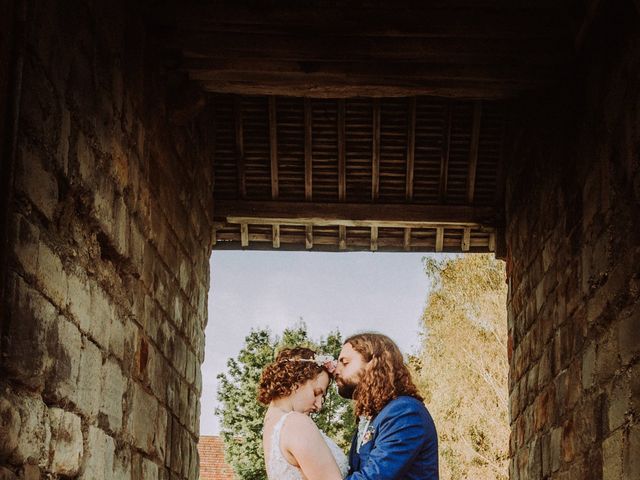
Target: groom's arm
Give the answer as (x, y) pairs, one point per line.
(399, 440)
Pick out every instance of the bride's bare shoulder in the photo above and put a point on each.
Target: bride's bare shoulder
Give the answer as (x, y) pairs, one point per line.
(300, 427)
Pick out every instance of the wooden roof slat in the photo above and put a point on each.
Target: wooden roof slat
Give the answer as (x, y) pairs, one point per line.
(240, 159)
(342, 157)
(446, 148)
(473, 151)
(273, 147)
(375, 156)
(411, 148)
(308, 150)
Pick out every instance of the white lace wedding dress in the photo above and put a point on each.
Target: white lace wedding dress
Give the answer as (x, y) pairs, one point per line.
(279, 469)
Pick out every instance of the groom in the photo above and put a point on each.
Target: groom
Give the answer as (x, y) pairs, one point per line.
(396, 437)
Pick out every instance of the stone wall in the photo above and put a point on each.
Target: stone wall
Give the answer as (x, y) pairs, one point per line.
(573, 216)
(109, 243)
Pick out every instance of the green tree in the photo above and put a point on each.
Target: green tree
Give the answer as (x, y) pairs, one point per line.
(241, 414)
(462, 366)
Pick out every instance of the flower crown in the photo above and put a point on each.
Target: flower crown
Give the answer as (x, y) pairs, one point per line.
(322, 360)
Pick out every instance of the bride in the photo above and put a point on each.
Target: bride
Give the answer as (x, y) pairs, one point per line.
(293, 386)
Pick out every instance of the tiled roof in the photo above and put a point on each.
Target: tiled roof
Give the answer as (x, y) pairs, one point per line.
(212, 463)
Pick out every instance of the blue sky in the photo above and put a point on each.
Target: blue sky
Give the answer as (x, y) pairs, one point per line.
(378, 291)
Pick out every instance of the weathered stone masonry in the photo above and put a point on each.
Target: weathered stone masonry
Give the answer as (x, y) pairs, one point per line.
(573, 214)
(109, 243)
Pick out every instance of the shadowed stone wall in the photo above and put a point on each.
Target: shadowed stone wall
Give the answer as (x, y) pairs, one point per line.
(573, 215)
(107, 274)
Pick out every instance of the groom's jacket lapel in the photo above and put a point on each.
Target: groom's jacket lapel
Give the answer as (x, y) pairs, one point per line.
(354, 458)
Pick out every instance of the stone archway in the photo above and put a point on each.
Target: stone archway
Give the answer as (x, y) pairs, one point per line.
(110, 219)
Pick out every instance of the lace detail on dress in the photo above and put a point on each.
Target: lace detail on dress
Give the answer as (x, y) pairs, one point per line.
(279, 469)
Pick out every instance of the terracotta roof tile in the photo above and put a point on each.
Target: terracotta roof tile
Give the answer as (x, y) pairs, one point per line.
(212, 463)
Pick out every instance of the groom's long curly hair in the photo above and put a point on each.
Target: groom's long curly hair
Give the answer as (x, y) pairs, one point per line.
(384, 378)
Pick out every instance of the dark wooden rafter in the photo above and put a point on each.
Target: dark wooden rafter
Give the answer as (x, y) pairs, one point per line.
(411, 155)
(241, 170)
(342, 152)
(444, 155)
(308, 150)
(273, 148)
(473, 151)
(375, 149)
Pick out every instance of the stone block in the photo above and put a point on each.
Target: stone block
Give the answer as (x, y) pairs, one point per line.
(10, 423)
(619, 403)
(99, 455)
(102, 313)
(612, 454)
(629, 335)
(37, 183)
(25, 243)
(30, 320)
(35, 435)
(113, 388)
(66, 442)
(79, 300)
(122, 465)
(589, 366)
(86, 159)
(160, 433)
(89, 379)
(65, 345)
(149, 470)
(143, 408)
(607, 358)
(121, 219)
(631, 466)
(6, 474)
(52, 276)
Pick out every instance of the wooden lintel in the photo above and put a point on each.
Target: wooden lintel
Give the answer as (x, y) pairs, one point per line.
(439, 239)
(276, 236)
(342, 152)
(244, 235)
(411, 147)
(374, 238)
(308, 151)
(444, 158)
(375, 151)
(473, 151)
(240, 160)
(308, 237)
(406, 244)
(353, 214)
(342, 237)
(466, 239)
(273, 147)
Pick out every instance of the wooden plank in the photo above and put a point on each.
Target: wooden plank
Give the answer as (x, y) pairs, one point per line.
(444, 156)
(276, 236)
(406, 244)
(353, 214)
(375, 151)
(374, 238)
(308, 150)
(342, 152)
(244, 235)
(466, 239)
(308, 237)
(439, 239)
(342, 237)
(241, 169)
(411, 147)
(273, 147)
(473, 151)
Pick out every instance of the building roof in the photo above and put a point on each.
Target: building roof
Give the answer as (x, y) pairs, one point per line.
(212, 462)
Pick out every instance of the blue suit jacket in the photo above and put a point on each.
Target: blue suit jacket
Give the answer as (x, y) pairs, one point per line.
(404, 445)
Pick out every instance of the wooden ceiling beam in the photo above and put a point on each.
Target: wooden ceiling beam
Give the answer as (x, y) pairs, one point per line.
(353, 214)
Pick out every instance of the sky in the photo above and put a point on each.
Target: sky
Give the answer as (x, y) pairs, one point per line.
(351, 292)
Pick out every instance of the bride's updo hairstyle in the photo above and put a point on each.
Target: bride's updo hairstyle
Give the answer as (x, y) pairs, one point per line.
(284, 375)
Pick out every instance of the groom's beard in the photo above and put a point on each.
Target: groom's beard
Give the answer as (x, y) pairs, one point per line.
(346, 389)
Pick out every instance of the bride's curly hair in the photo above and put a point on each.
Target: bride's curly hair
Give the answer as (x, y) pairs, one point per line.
(384, 378)
(281, 377)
